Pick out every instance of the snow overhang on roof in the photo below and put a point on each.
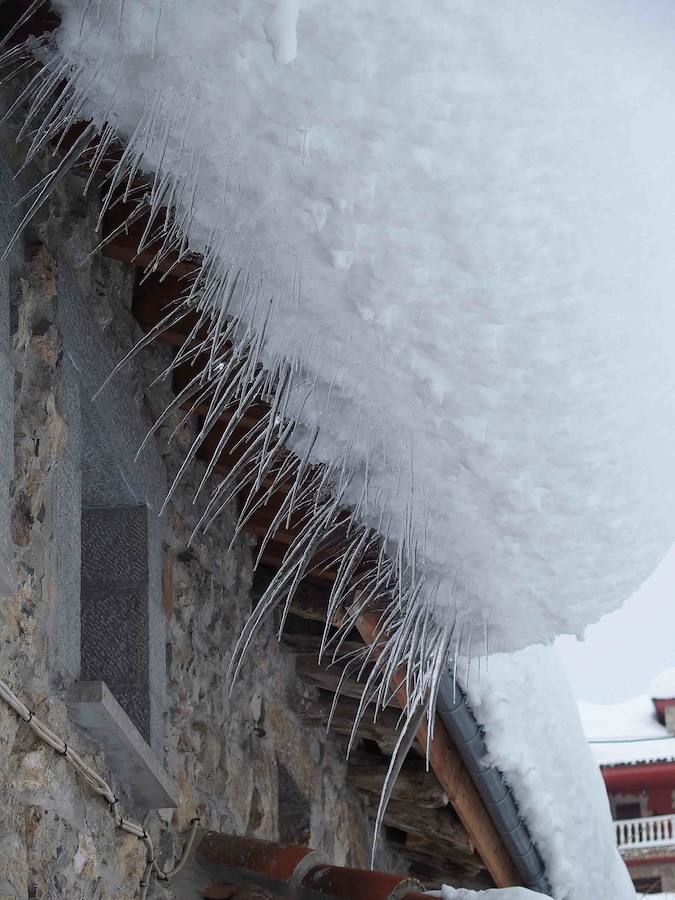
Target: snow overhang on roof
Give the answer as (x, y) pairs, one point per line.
(661, 705)
(663, 686)
(439, 226)
(463, 375)
(662, 692)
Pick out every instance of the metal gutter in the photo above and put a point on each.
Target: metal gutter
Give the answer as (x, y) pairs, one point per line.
(467, 735)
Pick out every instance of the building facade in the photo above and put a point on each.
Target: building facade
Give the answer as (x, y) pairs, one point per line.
(634, 743)
(98, 588)
(118, 618)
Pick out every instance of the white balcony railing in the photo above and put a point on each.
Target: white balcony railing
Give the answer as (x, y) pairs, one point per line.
(654, 831)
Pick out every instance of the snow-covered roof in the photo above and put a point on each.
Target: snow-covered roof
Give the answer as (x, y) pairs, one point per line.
(444, 205)
(533, 734)
(626, 733)
(663, 686)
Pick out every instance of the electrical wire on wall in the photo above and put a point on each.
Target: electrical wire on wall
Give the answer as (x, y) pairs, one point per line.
(103, 789)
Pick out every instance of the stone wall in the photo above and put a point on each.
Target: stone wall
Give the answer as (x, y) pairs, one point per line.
(244, 763)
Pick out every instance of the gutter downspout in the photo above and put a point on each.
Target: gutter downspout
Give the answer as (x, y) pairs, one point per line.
(467, 735)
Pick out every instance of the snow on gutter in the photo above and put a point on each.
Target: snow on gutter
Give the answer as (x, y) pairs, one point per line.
(529, 717)
(467, 735)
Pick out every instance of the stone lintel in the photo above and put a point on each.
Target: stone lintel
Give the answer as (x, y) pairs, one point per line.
(92, 706)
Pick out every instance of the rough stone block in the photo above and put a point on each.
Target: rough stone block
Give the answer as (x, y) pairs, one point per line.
(92, 706)
(8, 222)
(114, 547)
(115, 615)
(64, 567)
(9, 195)
(7, 584)
(111, 476)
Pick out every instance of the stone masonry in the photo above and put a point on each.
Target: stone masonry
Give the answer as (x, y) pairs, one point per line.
(244, 763)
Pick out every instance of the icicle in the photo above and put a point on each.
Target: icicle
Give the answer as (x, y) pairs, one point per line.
(403, 744)
(155, 37)
(54, 178)
(32, 8)
(371, 542)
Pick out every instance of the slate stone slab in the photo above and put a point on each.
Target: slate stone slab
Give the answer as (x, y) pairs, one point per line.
(114, 607)
(93, 707)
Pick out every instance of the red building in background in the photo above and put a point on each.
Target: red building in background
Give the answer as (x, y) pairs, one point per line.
(634, 743)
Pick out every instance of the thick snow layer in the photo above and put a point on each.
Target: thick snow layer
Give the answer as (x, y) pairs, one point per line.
(534, 735)
(625, 733)
(449, 893)
(663, 686)
(464, 212)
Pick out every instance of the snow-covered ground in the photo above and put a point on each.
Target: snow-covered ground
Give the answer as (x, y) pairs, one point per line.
(534, 735)
(464, 214)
